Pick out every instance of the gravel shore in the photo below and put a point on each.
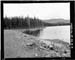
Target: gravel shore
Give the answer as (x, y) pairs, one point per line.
(18, 45)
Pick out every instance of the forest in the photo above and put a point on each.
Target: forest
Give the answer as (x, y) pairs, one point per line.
(20, 22)
(27, 23)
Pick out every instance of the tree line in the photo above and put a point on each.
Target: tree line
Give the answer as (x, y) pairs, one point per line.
(27, 22)
(20, 22)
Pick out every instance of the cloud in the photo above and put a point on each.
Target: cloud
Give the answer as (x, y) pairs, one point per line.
(40, 10)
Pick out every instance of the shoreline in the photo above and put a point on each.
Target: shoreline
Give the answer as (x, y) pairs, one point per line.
(30, 46)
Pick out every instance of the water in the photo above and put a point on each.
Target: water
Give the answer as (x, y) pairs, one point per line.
(56, 32)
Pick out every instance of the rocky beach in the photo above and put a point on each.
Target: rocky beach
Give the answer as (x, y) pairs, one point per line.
(20, 45)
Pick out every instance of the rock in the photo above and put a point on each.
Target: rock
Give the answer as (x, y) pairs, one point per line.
(16, 45)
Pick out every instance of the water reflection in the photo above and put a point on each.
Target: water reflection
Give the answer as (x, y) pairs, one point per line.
(33, 32)
(55, 32)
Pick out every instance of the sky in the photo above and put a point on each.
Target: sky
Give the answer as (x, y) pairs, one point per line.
(39, 10)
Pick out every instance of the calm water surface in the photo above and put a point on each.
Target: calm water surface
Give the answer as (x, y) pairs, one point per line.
(56, 32)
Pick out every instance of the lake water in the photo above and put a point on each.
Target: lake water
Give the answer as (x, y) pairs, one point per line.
(56, 32)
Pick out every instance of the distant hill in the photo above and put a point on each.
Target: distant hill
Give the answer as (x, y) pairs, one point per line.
(55, 21)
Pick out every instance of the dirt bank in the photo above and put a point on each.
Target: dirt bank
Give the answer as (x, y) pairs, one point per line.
(17, 44)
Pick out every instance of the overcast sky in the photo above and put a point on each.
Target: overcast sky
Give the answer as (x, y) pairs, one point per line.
(39, 10)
